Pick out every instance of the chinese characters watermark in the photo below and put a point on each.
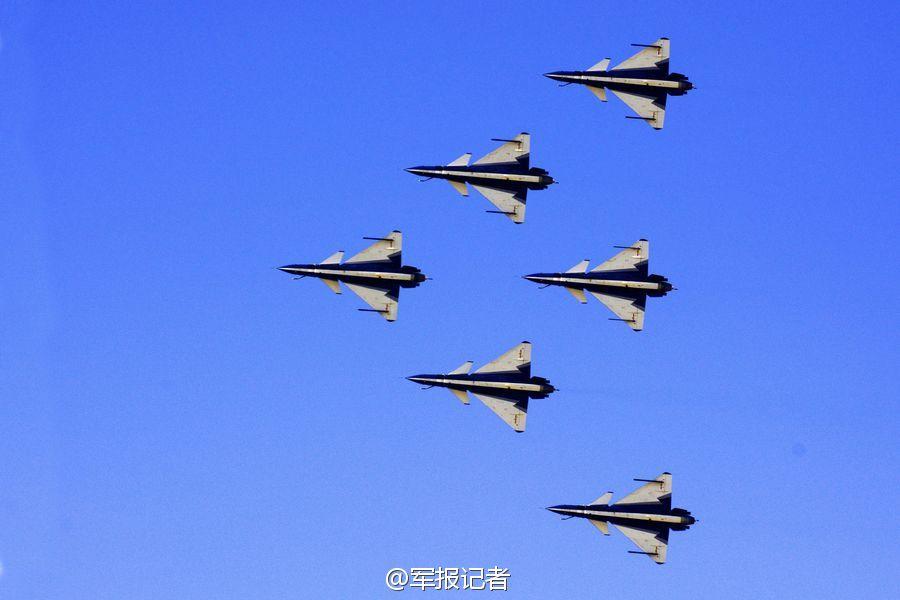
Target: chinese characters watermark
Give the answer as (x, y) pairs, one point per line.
(494, 579)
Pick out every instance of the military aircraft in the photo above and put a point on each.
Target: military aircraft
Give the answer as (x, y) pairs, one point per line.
(375, 274)
(621, 283)
(504, 384)
(645, 515)
(502, 176)
(643, 82)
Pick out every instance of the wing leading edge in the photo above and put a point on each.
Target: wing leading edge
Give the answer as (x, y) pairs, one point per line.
(633, 258)
(516, 151)
(653, 56)
(511, 409)
(383, 300)
(508, 202)
(385, 250)
(652, 542)
(651, 108)
(516, 360)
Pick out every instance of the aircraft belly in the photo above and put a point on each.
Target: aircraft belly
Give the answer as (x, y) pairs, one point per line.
(585, 282)
(479, 175)
(515, 387)
(363, 274)
(631, 285)
(629, 81)
(642, 517)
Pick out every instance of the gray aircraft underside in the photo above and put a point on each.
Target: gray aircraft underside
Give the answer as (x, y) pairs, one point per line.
(503, 176)
(504, 385)
(376, 274)
(645, 516)
(643, 82)
(622, 283)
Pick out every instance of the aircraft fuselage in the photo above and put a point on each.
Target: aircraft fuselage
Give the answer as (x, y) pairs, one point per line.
(533, 179)
(654, 285)
(678, 519)
(535, 387)
(674, 84)
(406, 276)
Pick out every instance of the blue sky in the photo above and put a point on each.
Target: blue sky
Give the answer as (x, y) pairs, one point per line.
(180, 420)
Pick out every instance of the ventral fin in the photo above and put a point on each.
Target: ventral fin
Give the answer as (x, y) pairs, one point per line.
(603, 65)
(461, 394)
(462, 369)
(334, 259)
(578, 293)
(601, 525)
(604, 499)
(599, 92)
(580, 267)
(332, 284)
(462, 161)
(459, 186)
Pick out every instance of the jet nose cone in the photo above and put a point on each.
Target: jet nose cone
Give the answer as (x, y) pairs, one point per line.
(556, 509)
(285, 269)
(532, 277)
(555, 75)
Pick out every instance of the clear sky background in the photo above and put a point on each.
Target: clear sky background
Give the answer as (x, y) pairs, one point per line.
(182, 421)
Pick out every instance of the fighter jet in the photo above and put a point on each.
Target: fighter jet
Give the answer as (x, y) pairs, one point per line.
(502, 176)
(504, 385)
(375, 274)
(621, 283)
(642, 82)
(645, 515)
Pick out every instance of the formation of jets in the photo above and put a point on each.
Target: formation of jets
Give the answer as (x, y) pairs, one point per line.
(505, 385)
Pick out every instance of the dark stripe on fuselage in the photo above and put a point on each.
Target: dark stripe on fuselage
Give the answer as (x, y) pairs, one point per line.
(596, 280)
(469, 175)
(642, 90)
(467, 382)
(361, 269)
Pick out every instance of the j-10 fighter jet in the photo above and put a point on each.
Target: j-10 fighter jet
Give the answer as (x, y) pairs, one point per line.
(502, 176)
(622, 283)
(645, 515)
(375, 274)
(504, 385)
(643, 82)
